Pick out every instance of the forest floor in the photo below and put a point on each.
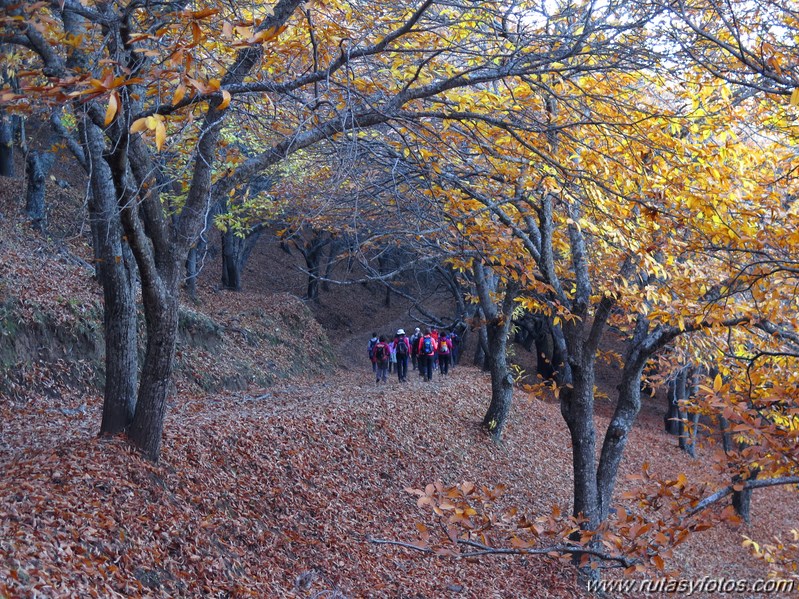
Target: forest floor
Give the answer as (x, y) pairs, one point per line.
(277, 491)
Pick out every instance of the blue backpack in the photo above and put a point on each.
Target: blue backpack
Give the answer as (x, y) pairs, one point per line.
(427, 346)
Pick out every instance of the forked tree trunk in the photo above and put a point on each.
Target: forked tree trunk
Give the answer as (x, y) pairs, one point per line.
(236, 251)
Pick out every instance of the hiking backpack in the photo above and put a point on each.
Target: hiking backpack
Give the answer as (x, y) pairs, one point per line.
(427, 346)
(380, 352)
(443, 347)
(402, 348)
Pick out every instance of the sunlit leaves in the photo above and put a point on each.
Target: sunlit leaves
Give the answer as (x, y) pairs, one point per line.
(154, 123)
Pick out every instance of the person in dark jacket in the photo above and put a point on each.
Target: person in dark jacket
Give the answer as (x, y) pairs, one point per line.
(428, 350)
(381, 354)
(417, 334)
(402, 349)
(370, 350)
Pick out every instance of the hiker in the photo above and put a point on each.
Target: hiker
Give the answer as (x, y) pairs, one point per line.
(417, 334)
(402, 349)
(427, 354)
(371, 351)
(434, 335)
(455, 342)
(381, 354)
(392, 357)
(444, 355)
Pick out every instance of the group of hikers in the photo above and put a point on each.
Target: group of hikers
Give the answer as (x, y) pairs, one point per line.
(427, 352)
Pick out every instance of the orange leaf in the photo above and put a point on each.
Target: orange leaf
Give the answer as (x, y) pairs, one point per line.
(196, 34)
(179, 93)
(160, 135)
(201, 14)
(113, 106)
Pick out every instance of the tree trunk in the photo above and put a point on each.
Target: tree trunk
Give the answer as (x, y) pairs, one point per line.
(482, 354)
(726, 435)
(115, 274)
(336, 246)
(36, 176)
(742, 500)
(671, 420)
(494, 335)
(236, 251)
(617, 433)
(6, 145)
(161, 313)
(577, 408)
(313, 257)
(689, 433)
(501, 380)
(231, 262)
(193, 271)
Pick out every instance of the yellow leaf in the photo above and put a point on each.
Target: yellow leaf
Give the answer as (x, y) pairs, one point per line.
(717, 383)
(160, 135)
(179, 93)
(111, 111)
(795, 97)
(138, 125)
(225, 100)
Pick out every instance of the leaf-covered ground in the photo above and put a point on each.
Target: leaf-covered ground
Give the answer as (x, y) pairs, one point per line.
(276, 493)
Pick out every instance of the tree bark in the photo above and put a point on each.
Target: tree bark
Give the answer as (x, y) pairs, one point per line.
(115, 274)
(161, 311)
(496, 416)
(577, 408)
(36, 177)
(497, 330)
(742, 500)
(236, 251)
(6, 145)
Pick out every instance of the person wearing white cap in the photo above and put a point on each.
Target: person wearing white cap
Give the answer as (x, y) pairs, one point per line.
(417, 334)
(402, 349)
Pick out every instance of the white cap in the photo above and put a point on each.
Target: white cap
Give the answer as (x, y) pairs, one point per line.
(401, 332)
(418, 330)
